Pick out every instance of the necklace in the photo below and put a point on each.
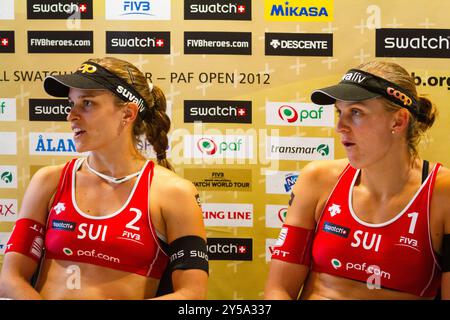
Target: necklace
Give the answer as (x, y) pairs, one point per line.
(109, 178)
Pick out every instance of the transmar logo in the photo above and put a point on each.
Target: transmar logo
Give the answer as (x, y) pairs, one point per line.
(7, 177)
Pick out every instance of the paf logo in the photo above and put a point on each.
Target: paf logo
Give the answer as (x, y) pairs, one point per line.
(296, 10)
(7, 109)
(207, 146)
(275, 215)
(288, 113)
(299, 114)
(218, 146)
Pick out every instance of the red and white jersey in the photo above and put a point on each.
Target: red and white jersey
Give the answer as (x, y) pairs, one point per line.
(396, 254)
(124, 240)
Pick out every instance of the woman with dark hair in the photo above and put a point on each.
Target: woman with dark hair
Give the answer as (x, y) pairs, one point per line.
(110, 225)
(375, 225)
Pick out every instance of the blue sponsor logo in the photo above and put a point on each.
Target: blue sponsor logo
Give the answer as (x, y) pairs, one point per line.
(63, 225)
(52, 145)
(336, 229)
(136, 8)
(290, 179)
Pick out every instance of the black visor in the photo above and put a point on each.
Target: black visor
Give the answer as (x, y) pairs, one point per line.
(91, 76)
(357, 85)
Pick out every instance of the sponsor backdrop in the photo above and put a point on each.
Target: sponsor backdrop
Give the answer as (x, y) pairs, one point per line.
(237, 75)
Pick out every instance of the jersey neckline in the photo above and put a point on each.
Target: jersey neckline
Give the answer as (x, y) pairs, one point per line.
(77, 166)
(396, 217)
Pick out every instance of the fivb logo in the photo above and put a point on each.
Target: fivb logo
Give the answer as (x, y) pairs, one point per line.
(137, 10)
(7, 10)
(275, 215)
(280, 182)
(45, 143)
(7, 109)
(293, 148)
(294, 114)
(216, 146)
(8, 177)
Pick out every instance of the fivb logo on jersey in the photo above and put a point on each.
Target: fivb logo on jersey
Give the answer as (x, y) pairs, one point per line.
(51, 143)
(137, 10)
(218, 146)
(303, 114)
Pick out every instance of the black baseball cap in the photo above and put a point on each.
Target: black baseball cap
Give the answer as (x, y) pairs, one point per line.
(92, 76)
(358, 85)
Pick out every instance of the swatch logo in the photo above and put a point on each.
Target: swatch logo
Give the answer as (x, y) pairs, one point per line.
(218, 111)
(287, 113)
(230, 248)
(207, 146)
(217, 10)
(6, 41)
(138, 42)
(418, 43)
(58, 9)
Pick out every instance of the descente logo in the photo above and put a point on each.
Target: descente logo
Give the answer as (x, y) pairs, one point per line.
(309, 10)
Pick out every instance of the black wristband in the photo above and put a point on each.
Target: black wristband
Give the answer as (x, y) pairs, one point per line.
(188, 252)
(446, 253)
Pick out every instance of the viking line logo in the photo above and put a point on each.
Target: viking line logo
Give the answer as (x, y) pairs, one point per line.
(288, 113)
(206, 145)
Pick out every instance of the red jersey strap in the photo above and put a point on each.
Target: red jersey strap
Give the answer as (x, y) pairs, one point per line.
(62, 178)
